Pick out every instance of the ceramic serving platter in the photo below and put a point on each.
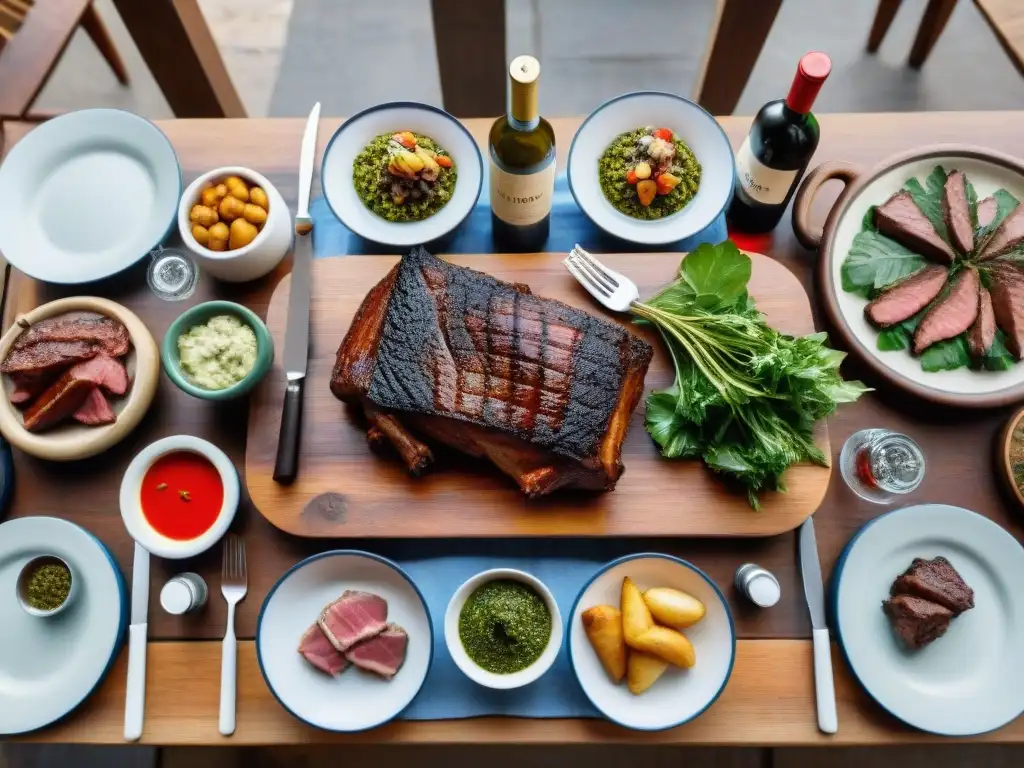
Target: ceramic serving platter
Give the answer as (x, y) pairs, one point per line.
(49, 665)
(970, 680)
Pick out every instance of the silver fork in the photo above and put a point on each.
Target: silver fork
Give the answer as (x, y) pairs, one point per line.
(615, 291)
(233, 586)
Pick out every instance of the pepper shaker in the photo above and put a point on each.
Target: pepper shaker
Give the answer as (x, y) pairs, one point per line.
(758, 584)
(184, 593)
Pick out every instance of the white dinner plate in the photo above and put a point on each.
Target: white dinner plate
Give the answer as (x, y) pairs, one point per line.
(679, 695)
(86, 195)
(48, 666)
(970, 680)
(353, 700)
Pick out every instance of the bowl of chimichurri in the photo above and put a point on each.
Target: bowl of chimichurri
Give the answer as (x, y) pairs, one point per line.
(503, 628)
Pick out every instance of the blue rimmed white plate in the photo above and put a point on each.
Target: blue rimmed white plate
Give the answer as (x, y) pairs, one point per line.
(353, 700)
(970, 680)
(679, 695)
(86, 195)
(48, 666)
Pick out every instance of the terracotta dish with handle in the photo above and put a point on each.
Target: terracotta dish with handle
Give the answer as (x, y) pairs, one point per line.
(988, 171)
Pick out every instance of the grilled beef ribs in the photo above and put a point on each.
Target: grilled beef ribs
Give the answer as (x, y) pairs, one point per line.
(318, 651)
(987, 210)
(935, 580)
(95, 410)
(907, 297)
(901, 219)
(110, 334)
(951, 315)
(956, 212)
(541, 389)
(1008, 305)
(983, 332)
(1009, 235)
(47, 355)
(915, 621)
(383, 653)
(352, 618)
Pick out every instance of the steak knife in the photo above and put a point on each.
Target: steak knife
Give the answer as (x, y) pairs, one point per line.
(296, 335)
(814, 591)
(135, 694)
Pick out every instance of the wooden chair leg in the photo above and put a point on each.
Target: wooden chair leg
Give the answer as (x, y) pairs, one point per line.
(935, 17)
(736, 42)
(97, 30)
(470, 41)
(883, 20)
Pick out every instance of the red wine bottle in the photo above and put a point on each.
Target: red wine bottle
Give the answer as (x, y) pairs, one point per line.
(777, 150)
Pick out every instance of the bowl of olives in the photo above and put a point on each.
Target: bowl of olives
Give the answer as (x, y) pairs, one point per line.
(235, 223)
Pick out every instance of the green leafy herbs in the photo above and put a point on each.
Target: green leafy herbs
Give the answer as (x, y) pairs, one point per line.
(876, 262)
(746, 397)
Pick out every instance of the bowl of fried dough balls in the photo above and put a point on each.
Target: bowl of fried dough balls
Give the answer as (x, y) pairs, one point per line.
(236, 223)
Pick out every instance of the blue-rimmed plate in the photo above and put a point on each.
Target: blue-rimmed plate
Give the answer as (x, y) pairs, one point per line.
(970, 680)
(358, 131)
(679, 695)
(689, 122)
(86, 195)
(48, 666)
(353, 700)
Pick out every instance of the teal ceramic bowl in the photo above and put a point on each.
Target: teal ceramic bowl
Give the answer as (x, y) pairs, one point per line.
(198, 315)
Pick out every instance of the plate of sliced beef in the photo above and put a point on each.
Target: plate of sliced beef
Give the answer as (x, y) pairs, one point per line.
(344, 640)
(922, 270)
(78, 374)
(929, 613)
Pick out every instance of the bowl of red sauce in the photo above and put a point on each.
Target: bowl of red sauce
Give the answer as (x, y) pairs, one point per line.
(179, 496)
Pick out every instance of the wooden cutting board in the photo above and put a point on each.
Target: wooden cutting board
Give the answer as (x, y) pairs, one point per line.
(373, 496)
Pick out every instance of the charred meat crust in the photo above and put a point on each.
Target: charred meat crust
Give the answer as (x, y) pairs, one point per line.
(1007, 292)
(900, 219)
(956, 212)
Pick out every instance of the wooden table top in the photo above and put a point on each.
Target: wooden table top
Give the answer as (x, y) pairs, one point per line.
(771, 689)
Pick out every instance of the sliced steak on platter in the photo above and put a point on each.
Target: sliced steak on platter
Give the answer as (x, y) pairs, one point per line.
(956, 212)
(352, 618)
(318, 651)
(906, 298)
(899, 218)
(1009, 235)
(95, 410)
(383, 654)
(952, 314)
(982, 332)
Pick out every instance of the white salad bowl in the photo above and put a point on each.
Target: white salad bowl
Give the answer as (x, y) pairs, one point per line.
(131, 506)
(257, 258)
(458, 652)
(694, 126)
(358, 131)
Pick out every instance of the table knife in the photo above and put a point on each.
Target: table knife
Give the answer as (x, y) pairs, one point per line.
(135, 696)
(296, 335)
(814, 591)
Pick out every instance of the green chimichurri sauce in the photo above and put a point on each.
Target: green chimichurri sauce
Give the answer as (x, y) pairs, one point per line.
(504, 626)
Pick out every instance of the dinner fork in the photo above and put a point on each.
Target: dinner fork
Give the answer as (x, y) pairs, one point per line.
(617, 292)
(233, 586)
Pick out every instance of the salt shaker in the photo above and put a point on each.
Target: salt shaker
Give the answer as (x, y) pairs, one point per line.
(758, 584)
(184, 593)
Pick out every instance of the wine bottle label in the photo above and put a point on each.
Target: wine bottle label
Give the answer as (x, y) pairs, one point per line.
(759, 182)
(522, 199)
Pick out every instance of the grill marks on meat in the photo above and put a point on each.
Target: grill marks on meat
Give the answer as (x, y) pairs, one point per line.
(951, 315)
(915, 621)
(982, 332)
(900, 219)
(1008, 306)
(383, 654)
(925, 599)
(907, 297)
(1008, 236)
(957, 212)
(315, 648)
(352, 618)
(492, 370)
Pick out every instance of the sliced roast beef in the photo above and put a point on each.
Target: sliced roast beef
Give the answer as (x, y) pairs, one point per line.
(383, 654)
(1008, 305)
(60, 400)
(957, 212)
(106, 372)
(983, 332)
(916, 621)
(907, 297)
(47, 355)
(987, 210)
(110, 334)
(936, 580)
(318, 651)
(95, 410)
(951, 315)
(352, 618)
(1008, 236)
(901, 219)
(28, 385)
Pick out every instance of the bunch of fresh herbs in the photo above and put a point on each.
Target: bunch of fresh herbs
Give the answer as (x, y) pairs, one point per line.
(746, 397)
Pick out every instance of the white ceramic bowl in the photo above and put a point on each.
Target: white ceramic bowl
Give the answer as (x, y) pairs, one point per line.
(25, 576)
(679, 695)
(258, 257)
(358, 131)
(698, 129)
(458, 652)
(131, 507)
(86, 195)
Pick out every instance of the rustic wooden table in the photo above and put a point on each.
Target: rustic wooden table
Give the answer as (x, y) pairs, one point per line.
(770, 698)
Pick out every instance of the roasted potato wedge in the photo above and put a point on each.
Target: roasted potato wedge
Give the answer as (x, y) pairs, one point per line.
(644, 670)
(603, 625)
(673, 607)
(636, 618)
(667, 644)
